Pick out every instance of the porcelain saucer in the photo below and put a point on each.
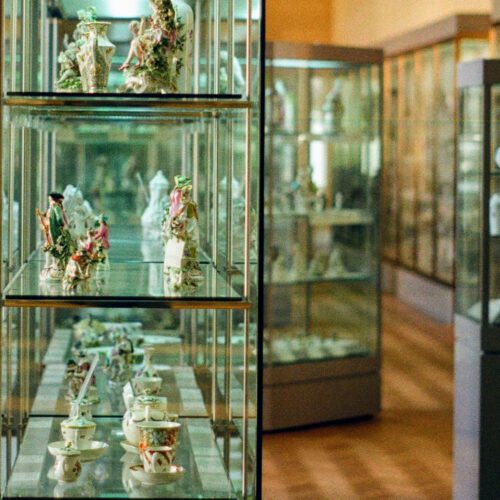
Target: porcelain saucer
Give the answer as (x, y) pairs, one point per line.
(175, 473)
(129, 448)
(97, 448)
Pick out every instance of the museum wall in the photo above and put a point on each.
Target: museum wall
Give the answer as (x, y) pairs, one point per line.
(299, 21)
(368, 22)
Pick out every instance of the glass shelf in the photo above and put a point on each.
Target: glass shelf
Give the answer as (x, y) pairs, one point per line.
(182, 385)
(205, 475)
(330, 217)
(311, 280)
(126, 284)
(90, 101)
(325, 136)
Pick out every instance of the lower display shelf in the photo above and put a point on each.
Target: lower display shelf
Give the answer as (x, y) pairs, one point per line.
(198, 454)
(181, 384)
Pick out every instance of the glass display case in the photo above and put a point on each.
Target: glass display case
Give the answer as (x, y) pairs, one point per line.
(477, 319)
(419, 142)
(130, 175)
(322, 300)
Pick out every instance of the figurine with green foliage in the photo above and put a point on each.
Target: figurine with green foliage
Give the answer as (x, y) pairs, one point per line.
(181, 238)
(59, 245)
(163, 49)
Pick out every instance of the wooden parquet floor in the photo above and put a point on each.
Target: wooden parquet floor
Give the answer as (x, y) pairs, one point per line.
(404, 453)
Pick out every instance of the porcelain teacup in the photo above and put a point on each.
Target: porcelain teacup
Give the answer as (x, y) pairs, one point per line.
(163, 433)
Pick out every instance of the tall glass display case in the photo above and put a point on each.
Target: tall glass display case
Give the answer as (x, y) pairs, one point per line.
(419, 142)
(322, 300)
(130, 175)
(477, 319)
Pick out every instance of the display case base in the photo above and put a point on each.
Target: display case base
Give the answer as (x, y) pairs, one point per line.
(431, 297)
(476, 453)
(321, 400)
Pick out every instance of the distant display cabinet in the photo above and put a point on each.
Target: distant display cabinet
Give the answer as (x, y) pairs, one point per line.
(322, 300)
(420, 113)
(477, 320)
(130, 180)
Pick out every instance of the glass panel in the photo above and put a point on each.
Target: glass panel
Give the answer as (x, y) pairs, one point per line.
(424, 143)
(445, 161)
(390, 182)
(494, 211)
(469, 202)
(322, 208)
(407, 157)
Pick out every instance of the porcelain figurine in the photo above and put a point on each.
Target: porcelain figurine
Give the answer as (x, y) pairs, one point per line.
(304, 190)
(158, 200)
(67, 467)
(319, 265)
(70, 78)
(280, 271)
(100, 237)
(95, 54)
(148, 369)
(87, 330)
(119, 364)
(78, 211)
(181, 238)
(333, 109)
(59, 244)
(299, 262)
(335, 264)
(83, 262)
(163, 49)
(276, 105)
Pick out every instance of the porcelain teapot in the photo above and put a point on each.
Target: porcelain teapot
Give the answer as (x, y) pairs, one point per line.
(144, 409)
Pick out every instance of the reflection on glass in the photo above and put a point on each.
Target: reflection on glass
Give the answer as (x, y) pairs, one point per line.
(469, 203)
(321, 224)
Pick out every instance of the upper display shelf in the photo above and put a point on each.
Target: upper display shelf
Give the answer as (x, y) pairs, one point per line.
(179, 50)
(112, 100)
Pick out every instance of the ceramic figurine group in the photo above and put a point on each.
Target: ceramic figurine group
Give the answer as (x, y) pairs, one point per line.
(181, 238)
(71, 257)
(159, 59)
(162, 48)
(118, 341)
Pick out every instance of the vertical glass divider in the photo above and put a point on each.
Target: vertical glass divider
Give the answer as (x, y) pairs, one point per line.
(230, 46)
(217, 45)
(196, 57)
(26, 55)
(13, 44)
(8, 396)
(485, 206)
